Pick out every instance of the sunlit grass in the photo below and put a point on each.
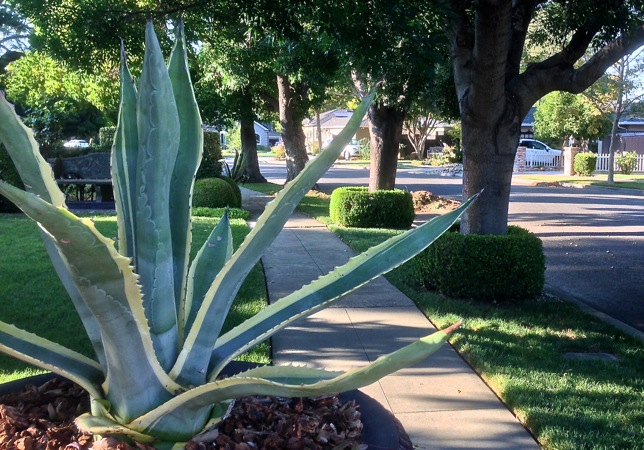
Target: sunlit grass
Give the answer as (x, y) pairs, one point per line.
(632, 181)
(33, 298)
(519, 348)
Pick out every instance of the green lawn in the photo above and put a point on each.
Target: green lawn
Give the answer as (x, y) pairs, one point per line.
(632, 181)
(520, 348)
(32, 297)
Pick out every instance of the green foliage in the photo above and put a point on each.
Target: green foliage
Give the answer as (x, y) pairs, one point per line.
(233, 139)
(357, 207)
(211, 165)
(148, 301)
(584, 164)
(235, 187)
(627, 162)
(214, 193)
(484, 267)
(9, 174)
(364, 147)
(106, 138)
(233, 213)
(561, 114)
(236, 172)
(279, 151)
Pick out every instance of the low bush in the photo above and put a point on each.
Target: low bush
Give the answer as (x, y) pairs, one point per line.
(279, 151)
(483, 267)
(213, 193)
(357, 207)
(235, 187)
(233, 213)
(364, 148)
(627, 162)
(584, 164)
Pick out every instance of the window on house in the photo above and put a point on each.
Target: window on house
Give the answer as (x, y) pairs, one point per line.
(257, 138)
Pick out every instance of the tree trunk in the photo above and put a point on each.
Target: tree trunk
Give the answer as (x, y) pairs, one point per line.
(385, 130)
(292, 132)
(249, 150)
(488, 162)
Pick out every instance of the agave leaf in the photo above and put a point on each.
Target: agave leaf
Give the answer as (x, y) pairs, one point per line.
(102, 425)
(187, 163)
(19, 141)
(38, 178)
(212, 256)
(192, 363)
(51, 356)
(109, 287)
(158, 126)
(330, 287)
(173, 417)
(124, 158)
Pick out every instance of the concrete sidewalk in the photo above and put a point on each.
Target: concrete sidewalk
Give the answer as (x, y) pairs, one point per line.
(442, 403)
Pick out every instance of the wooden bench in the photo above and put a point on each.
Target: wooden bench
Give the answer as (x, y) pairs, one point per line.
(79, 171)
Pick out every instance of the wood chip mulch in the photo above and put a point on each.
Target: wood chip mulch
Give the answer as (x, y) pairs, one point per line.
(42, 418)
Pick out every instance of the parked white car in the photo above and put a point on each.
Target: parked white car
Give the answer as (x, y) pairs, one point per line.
(76, 143)
(351, 150)
(539, 153)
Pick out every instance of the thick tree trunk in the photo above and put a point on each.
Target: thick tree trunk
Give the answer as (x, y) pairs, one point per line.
(292, 132)
(488, 161)
(249, 150)
(385, 130)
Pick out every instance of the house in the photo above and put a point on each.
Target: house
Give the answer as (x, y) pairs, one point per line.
(527, 125)
(266, 135)
(630, 131)
(331, 123)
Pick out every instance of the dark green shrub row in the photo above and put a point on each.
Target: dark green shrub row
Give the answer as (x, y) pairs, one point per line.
(214, 193)
(210, 163)
(233, 213)
(357, 207)
(585, 164)
(510, 267)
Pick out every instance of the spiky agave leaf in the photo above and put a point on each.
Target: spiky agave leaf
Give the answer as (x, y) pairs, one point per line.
(171, 420)
(330, 287)
(192, 363)
(134, 380)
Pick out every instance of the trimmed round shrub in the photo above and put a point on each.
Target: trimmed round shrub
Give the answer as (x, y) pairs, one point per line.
(585, 164)
(233, 184)
(627, 162)
(483, 267)
(357, 207)
(213, 193)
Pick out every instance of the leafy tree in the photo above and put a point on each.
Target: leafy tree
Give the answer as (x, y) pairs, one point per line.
(58, 102)
(618, 91)
(561, 115)
(14, 35)
(495, 91)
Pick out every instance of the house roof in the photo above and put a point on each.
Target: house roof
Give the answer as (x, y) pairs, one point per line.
(336, 118)
(528, 120)
(631, 121)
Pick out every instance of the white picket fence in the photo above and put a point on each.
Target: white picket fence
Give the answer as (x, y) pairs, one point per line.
(542, 159)
(602, 164)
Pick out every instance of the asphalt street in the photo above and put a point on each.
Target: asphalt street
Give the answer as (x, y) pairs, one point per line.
(593, 238)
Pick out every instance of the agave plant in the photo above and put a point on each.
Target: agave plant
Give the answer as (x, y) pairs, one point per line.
(153, 318)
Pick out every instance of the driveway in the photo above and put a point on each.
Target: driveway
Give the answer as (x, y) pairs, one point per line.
(593, 238)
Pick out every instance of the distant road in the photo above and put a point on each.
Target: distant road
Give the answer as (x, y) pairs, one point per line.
(593, 238)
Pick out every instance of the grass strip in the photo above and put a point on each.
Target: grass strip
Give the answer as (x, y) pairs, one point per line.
(632, 181)
(33, 298)
(520, 349)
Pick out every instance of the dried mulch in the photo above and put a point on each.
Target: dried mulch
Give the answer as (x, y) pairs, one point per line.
(42, 418)
(426, 202)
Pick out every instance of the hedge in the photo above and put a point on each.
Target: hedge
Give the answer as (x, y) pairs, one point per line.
(584, 164)
(211, 162)
(213, 193)
(235, 187)
(357, 207)
(483, 267)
